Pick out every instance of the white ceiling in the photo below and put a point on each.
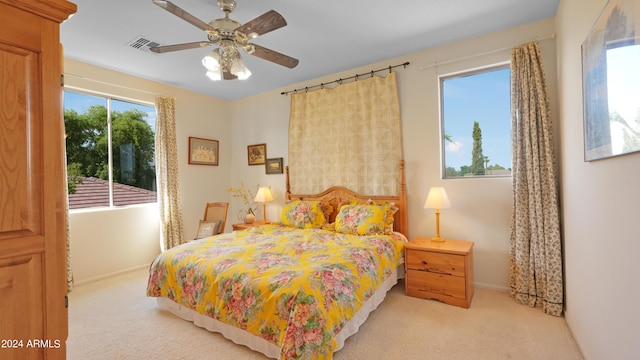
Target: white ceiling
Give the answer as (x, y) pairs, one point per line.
(327, 36)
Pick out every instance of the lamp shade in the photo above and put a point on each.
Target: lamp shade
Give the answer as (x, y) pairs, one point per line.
(212, 63)
(238, 69)
(263, 195)
(437, 199)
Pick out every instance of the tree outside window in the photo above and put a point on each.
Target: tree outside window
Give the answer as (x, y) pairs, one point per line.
(110, 148)
(476, 123)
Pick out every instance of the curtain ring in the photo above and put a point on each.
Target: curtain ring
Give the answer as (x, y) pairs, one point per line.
(356, 77)
(340, 81)
(389, 69)
(371, 73)
(306, 89)
(321, 85)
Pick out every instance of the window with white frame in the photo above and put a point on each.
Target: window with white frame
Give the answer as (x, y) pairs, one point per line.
(110, 151)
(475, 110)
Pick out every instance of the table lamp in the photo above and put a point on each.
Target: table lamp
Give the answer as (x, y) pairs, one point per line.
(437, 199)
(264, 195)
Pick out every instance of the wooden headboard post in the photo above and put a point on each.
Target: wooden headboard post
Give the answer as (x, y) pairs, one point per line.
(288, 184)
(337, 195)
(403, 217)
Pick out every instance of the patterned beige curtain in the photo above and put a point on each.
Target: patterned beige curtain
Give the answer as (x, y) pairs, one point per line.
(535, 244)
(349, 135)
(66, 220)
(167, 173)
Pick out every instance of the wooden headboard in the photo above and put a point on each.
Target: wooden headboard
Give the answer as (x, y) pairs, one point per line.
(337, 195)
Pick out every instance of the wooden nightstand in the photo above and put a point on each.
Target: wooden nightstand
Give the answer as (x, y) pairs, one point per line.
(244, 226)
(439, 270)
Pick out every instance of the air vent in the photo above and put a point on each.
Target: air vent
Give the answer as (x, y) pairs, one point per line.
(143, 44)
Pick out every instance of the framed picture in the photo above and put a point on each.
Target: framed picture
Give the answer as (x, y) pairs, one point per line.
(203, 151)
(207, 228)
(257, 154)
(274, 166)
(611, 82)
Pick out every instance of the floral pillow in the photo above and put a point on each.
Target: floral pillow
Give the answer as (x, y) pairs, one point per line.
(327, 209)
(362, 219)
(303, 214)
(391, 212)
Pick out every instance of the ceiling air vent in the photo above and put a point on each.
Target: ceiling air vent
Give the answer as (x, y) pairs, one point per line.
(143, 44)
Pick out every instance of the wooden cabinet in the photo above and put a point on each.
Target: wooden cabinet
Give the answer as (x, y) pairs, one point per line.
(33, 287)
(440, 270)
(244, 226)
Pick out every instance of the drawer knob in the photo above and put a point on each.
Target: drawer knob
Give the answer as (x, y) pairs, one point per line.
(424, 262)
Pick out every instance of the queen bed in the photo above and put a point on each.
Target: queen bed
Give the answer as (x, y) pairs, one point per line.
(295, 289)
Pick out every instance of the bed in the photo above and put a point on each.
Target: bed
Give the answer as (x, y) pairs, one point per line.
(296, 289)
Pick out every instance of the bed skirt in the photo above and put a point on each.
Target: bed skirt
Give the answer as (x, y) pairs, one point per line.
(265, 347)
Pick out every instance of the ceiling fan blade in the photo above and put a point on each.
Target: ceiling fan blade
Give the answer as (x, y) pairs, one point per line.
(274, 56)
(264, 23)
(179, 12)
(228, 76)
(177, 47)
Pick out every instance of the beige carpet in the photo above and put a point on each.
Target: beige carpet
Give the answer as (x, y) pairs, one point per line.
(113, 319)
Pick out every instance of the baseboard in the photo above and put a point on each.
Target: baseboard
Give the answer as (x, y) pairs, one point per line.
(110, 275)
(491, 287)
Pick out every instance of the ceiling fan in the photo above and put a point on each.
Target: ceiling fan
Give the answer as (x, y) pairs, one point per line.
(230, 36)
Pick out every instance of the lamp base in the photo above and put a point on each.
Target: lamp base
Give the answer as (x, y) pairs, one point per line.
(438, 239)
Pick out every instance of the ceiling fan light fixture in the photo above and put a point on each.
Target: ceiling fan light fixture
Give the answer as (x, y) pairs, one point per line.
(239, 69)
(249, 48)
(212, 61)
(214, 75)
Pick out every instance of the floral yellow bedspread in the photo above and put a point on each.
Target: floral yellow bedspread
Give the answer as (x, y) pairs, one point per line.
(295, 288)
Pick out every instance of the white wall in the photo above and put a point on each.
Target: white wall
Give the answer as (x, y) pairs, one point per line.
(601, 204)
(481, 207)
(110, 241)
(107, 242)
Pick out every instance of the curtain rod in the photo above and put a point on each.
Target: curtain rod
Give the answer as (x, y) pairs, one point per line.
(436, 63)
(339, 81)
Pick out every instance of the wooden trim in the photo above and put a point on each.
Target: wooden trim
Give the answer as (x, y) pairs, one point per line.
(56, 10)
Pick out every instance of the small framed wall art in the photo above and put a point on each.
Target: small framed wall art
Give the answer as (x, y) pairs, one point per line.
(257, 154)
(203, 151)
(274, 166)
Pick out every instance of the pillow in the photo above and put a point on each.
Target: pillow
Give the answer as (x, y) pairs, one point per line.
(392, 211)
(362, 219)
(303, 214)
(208, 228)
(327, 209)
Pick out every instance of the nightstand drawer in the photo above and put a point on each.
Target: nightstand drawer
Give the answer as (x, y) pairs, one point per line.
(424, 281)
(436, 262)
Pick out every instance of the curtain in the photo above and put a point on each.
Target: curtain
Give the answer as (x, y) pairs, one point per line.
(67, 224)
(167, 173)
(535, 243)
(349, 136)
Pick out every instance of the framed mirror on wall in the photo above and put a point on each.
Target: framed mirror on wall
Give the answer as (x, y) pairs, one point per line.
(611, 82)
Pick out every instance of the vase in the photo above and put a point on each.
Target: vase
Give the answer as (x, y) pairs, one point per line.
(249, 218)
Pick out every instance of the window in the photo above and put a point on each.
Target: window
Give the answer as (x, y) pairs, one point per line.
(110, 147)
(476, 123)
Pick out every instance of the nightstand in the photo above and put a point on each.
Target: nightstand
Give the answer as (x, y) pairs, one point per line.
(440, 270)
(244, 226)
